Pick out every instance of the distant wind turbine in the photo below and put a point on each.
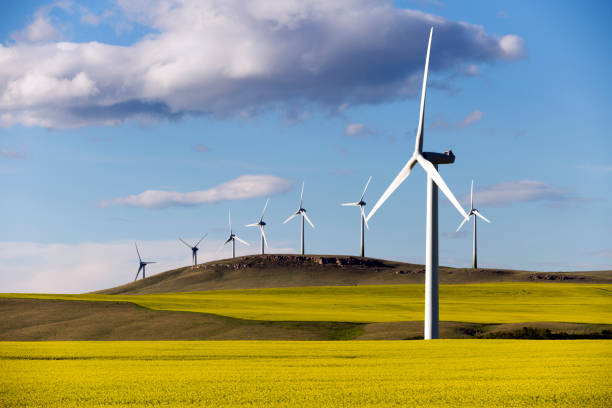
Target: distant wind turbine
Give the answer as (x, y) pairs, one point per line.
(473, 212)
(143, 264)
(301, 211)
(362, 217)
(261, 224)
(194, 249)
(232, 238)
(429, 162)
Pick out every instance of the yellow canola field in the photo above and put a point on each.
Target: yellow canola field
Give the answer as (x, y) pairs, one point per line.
(476, 303)
(442, 373)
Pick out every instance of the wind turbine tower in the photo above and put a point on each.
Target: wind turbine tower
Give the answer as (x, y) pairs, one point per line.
(473, 213)
(261, 224)
(362, 216)
(429, 161)
(194, 249)
(142, 266)
(301, 211)
(232, 238)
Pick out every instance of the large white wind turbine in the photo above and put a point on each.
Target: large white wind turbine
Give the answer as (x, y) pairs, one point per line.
(362, 216)
(429, 162)
(473, 212)
(301, 211)
(232, 238)
(261, 224)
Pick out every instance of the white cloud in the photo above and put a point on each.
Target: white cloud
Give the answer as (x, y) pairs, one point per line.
(241, 188)
(474, 116)
(84, 267)
(41, 29)
(234, 58)
(512, 192)
(355, 130)
(512, 46)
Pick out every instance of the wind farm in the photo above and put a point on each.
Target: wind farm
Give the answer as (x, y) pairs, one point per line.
(129, 126)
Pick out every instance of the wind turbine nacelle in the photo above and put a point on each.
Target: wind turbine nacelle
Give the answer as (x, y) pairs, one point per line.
(262, 223)
(447, 157)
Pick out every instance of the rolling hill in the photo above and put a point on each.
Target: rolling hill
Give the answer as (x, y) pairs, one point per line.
(317, 297)
(279, 271)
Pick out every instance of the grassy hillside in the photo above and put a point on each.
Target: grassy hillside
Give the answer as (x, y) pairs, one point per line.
(279, 271)
(465, 373)
(474, 303)
(48, 319)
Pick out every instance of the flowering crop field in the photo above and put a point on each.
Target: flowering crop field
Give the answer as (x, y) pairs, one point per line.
(469, 373)
(476, 303)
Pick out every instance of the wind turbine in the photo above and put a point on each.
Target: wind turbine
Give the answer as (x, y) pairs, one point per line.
(473, 212)
(194, 249)
(429, 162)
(362, 217)
(232, 237)
(143, 264)
(301, 211)
(261, 224)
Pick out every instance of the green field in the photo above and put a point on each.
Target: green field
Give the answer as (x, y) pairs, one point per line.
(468, 373)
(476, 303)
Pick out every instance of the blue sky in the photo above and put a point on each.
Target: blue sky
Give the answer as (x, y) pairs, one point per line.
(101, 101)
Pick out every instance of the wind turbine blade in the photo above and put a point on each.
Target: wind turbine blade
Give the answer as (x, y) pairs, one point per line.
(290, 218)
(137, 273)
(366, 187)
(418, 147)
(364, 218)
(252, 225)
(221, 247)
(138, 252)
(463, 221)
(307, 219)
(481, 216)
(150, 262)
(350, 204)
(188, 246)
(244, 242)
(263, 234)
(472, 196)
(302, 194)
(204, 236)
(264, 210)
(433, 173)
(393, 186)
(228, 240)
(230, 220)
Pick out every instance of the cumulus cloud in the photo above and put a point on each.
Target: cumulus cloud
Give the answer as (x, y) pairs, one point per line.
(88, 266)
(512, 192)
(512, 46)
(241, 188)
(235, 58)
(41, 29)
